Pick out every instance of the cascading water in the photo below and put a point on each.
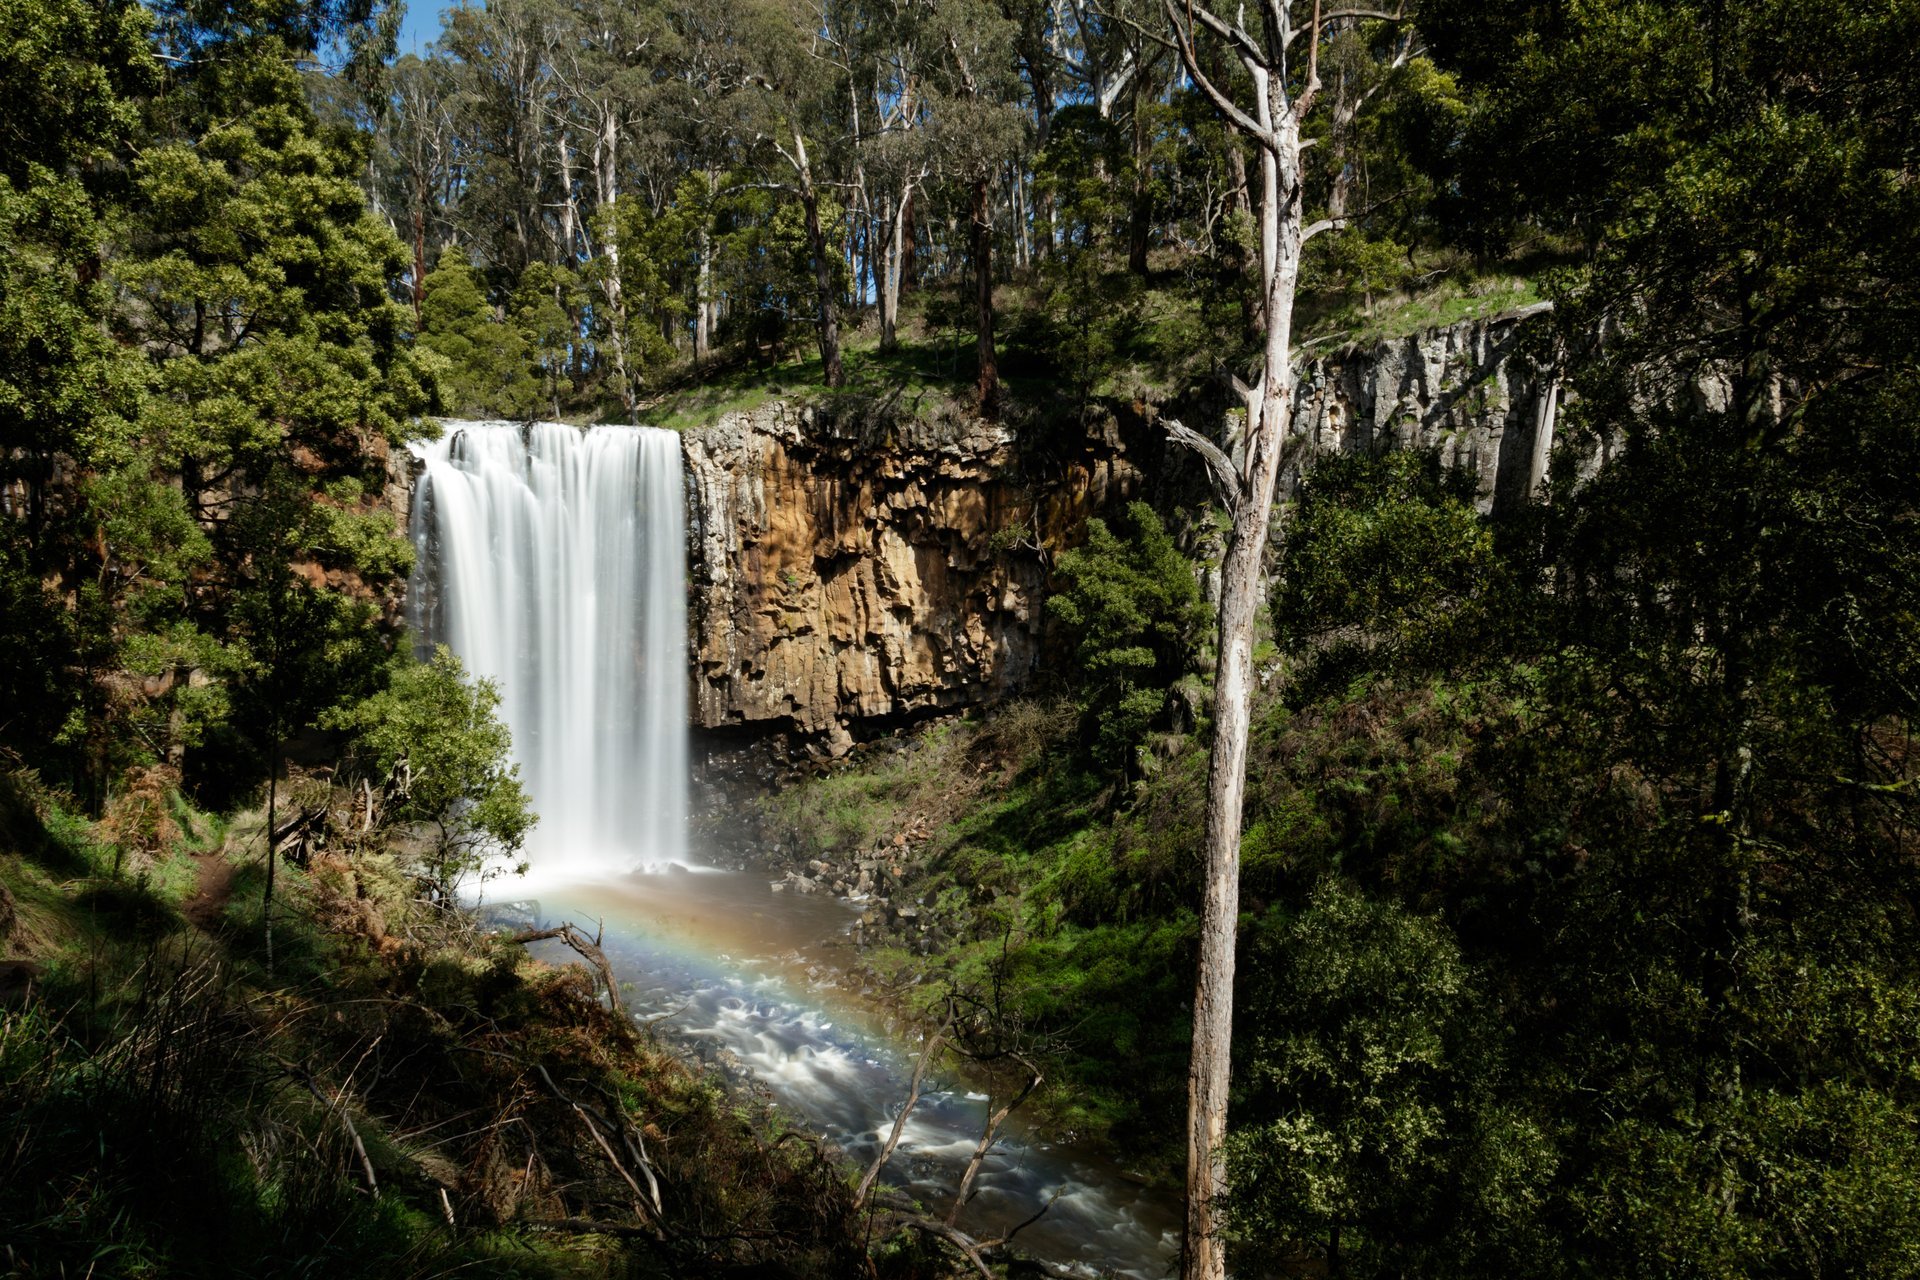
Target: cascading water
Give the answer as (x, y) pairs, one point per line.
(553, 562)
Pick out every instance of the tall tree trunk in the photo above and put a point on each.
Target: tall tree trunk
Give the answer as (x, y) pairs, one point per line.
(419, 255)
(703, 302)
(1022, 244)
(887, 285)
(988, 382)
(822, 267)
(569, 202)
(273, 858)
(1268, 414)
(909, 245)
(1140, 210)
(607, 178)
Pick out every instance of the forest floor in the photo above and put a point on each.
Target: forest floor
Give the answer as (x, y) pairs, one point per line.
(399, 1094)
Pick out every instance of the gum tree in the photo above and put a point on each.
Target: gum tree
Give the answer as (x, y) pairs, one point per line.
(1268, 108)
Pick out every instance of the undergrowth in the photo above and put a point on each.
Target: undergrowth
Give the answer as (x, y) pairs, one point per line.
(402, 1095)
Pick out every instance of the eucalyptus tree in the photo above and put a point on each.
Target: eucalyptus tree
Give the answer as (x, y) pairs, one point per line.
(895, 155)
(788, 106)
(417, 159)
(503, 86)
(601, 59)
(1268, 107)
(980, 128)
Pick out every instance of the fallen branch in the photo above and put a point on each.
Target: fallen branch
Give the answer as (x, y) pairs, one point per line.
(1226, 481)
(588, 949)
(900, 1121)
(998, 1118)
(958, 1239)
(585, 1227)
(636, 1146)
(346, 1119)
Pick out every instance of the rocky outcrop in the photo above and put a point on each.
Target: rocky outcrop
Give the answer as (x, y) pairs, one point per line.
(1473, 391)
(845, 575)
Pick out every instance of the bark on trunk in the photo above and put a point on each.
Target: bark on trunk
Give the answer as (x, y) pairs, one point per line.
(273, 857)
(829, 331)
(419, 256)
(988, 382)
(1268, 415)
(702, 302)
(606, 155)
(1140, 210)
(909, 247)
(893, 258)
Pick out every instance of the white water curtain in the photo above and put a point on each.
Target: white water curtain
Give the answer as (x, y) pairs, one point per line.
(552, 561)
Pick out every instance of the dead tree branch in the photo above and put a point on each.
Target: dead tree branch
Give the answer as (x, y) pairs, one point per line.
(934, 1042)
(987, 1137)
(587, 949)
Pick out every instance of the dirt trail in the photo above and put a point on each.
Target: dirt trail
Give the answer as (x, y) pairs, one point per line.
(212, 887)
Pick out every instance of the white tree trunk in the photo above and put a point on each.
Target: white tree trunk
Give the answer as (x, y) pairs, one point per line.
(606, 153)
(891, 263)
(703, 299)
(1268, 421)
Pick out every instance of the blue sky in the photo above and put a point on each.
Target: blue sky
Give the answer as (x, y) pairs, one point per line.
(422, 24)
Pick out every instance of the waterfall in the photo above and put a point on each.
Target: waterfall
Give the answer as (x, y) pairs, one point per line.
(552, 560)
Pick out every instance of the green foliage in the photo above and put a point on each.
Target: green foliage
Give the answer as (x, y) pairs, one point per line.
(1370, 1117)
(1385, 561)
(1133, 607)
(432, 738)
(488, 368)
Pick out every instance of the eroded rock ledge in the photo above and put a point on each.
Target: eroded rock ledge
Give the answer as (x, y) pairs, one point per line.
(846, 575)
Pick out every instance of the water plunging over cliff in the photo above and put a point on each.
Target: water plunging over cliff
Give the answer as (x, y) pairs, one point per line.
(553, 562)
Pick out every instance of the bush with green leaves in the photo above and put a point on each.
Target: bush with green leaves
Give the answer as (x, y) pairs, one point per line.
(1383, 557)
(431, 740)
(1133, 606)
(487, 366)
(1372, 1123)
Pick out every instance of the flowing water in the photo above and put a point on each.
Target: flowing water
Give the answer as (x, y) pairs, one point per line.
(552, 561)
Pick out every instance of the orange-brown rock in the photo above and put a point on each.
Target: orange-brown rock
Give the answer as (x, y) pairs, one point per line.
(842, 574)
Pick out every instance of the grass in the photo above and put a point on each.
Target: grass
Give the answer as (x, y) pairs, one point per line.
(1459, 297)
(169, 1107)
(921, 373)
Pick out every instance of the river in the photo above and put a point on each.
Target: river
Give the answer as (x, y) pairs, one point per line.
(754, 981)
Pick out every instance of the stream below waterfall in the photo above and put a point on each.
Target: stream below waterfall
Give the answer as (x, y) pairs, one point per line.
(552, 560)
(750, 980)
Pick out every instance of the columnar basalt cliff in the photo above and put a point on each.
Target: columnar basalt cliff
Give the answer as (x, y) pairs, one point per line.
(1472, 391)
(846, 574)
(843, 574)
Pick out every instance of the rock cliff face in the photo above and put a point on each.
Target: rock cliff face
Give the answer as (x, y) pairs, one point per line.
(1471, 391)
(842, 577)
(848, 575)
